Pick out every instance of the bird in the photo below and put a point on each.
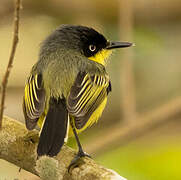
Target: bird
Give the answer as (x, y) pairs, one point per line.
(68, 86)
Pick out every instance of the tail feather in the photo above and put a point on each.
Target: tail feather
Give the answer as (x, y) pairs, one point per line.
(54, 129)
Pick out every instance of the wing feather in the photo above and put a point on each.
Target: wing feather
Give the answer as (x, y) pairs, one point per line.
(87, 93)
(34, 100)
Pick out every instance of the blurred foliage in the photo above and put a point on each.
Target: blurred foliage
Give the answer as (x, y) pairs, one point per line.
(103, 11)
(136, 162)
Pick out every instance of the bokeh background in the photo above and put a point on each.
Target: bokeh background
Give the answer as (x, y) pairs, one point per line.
(140, 130)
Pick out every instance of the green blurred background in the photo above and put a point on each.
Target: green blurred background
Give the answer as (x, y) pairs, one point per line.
(146, 79)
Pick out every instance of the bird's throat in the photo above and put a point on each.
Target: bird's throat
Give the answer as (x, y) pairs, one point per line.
(101, 56)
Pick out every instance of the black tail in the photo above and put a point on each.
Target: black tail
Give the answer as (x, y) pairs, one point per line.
(54, 128)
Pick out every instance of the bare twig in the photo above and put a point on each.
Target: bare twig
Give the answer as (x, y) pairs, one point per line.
(10, 63)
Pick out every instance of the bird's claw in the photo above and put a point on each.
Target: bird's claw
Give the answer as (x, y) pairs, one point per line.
(83, 154)
(77, 161)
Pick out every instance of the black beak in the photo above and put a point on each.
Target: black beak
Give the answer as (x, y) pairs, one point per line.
(114, 45)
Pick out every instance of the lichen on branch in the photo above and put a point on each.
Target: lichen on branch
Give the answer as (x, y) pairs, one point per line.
(18, 146)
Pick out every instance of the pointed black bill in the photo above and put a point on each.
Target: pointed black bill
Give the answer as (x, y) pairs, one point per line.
(114, 45)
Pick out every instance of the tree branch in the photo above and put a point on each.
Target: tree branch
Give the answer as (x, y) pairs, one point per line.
(10, 63)
(18, 146)
(128, 98)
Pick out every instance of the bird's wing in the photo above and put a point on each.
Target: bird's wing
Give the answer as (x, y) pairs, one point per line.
(34, 100)
(86, 94)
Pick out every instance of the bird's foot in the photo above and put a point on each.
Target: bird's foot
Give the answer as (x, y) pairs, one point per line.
(31, 136)
(77, 161)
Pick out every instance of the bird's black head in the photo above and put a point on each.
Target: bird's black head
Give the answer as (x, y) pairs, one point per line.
(83, 39)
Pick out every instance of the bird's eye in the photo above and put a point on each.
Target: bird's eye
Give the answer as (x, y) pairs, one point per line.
(92, 47)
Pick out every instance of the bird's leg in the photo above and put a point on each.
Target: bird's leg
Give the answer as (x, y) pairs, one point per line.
(77, 159)
(81, 153)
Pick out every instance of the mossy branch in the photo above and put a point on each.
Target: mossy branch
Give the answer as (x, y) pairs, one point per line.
(18, 146)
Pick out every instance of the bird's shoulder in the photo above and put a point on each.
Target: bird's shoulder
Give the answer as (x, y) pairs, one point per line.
(93, 68)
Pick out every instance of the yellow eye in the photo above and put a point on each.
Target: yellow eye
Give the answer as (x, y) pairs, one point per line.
(92, 47)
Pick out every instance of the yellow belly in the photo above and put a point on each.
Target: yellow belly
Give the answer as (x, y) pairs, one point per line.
(94, 118)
